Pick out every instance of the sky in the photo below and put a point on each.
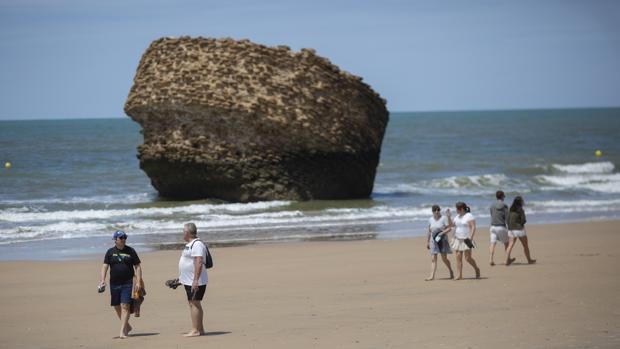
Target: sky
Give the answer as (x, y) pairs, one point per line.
(77, 58)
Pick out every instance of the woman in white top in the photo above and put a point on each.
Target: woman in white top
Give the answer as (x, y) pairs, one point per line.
(437, 240)
(465, 228)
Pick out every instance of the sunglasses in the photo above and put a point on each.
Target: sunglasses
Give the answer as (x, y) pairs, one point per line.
(437, 210)
(123, 238)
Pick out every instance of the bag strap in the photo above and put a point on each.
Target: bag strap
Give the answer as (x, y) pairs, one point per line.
(206, 248)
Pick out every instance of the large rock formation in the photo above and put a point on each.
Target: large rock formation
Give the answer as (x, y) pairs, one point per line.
(239, 121)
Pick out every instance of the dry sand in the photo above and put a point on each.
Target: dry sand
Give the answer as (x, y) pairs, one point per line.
(362, 294)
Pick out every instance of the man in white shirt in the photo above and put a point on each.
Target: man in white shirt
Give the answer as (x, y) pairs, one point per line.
(193, 276)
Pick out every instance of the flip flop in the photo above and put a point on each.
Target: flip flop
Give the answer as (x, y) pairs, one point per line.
(173, 283)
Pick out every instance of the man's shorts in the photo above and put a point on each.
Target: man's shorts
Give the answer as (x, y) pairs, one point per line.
(120, 294)
(498, 233)
(195, 296)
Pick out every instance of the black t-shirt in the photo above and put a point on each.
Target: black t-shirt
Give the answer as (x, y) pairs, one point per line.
(121, 264)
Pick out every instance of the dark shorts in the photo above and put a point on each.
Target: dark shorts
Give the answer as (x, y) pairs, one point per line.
(120, 294)
(198, 295)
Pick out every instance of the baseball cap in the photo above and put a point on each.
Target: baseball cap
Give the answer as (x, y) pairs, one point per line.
(119, 234)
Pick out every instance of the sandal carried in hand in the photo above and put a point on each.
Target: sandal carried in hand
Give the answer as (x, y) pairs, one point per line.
(173, 284)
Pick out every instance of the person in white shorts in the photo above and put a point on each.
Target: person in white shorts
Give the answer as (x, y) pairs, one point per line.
(498, 230)
(516, 230)
(465, 228)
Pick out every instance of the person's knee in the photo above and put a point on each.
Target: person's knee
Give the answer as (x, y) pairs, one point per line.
(125, 306)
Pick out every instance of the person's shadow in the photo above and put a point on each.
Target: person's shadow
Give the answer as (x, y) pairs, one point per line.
(144, 334)
(216, 333)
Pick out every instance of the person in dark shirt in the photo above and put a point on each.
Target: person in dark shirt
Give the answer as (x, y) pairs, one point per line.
(516, 230)
(124, 264)
(498, 230)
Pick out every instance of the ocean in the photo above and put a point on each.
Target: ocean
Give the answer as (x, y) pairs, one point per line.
(74, 182)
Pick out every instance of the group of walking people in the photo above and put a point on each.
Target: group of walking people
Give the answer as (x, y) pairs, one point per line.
(507, 226)
(126, 285)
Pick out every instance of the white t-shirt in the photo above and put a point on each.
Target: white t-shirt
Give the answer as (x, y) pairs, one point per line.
(186, 263)
(440, 223)
(462, 225)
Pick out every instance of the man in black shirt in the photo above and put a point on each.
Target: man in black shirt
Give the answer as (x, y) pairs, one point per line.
(124, 264)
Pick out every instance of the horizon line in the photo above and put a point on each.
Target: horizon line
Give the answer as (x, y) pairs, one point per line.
(389, 111)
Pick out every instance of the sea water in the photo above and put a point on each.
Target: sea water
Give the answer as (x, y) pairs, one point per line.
(74, 182)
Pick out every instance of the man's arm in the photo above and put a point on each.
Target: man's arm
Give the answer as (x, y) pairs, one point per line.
(104, 273)
(197, 272)
(138, 272)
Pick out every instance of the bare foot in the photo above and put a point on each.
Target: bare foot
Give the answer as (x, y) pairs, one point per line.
(477, 273)
(429, 279)
(492, 263)
(451, 274)
(458, 278)
(532, 261)
(509, 261)
(129, 328)
(192, 334)
(123, 336)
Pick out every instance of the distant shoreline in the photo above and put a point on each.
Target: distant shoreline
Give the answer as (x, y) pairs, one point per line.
(482, 236)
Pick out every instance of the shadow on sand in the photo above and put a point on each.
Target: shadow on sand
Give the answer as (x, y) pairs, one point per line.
(216, 333)
(145, 334)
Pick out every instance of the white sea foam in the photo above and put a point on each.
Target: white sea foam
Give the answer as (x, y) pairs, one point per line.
(588, 167)
(573, 206)
(58, 230)
(454, 185)
(487, 180)
(335, 216)
(576, 203)
(143, 224)
(603, 183)
(98, 199)
(10, 215)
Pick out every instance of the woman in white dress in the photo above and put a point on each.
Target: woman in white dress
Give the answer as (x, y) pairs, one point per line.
(437, 240)
(465, 229)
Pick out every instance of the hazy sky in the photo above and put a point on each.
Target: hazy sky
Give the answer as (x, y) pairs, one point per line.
(77, 58)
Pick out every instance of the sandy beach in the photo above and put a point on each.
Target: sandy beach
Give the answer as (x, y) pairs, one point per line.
(356, 294)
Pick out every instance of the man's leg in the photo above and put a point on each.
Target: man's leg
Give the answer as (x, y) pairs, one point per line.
(492, 252)
(119, 313)
(196, 313)
(124, 317)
